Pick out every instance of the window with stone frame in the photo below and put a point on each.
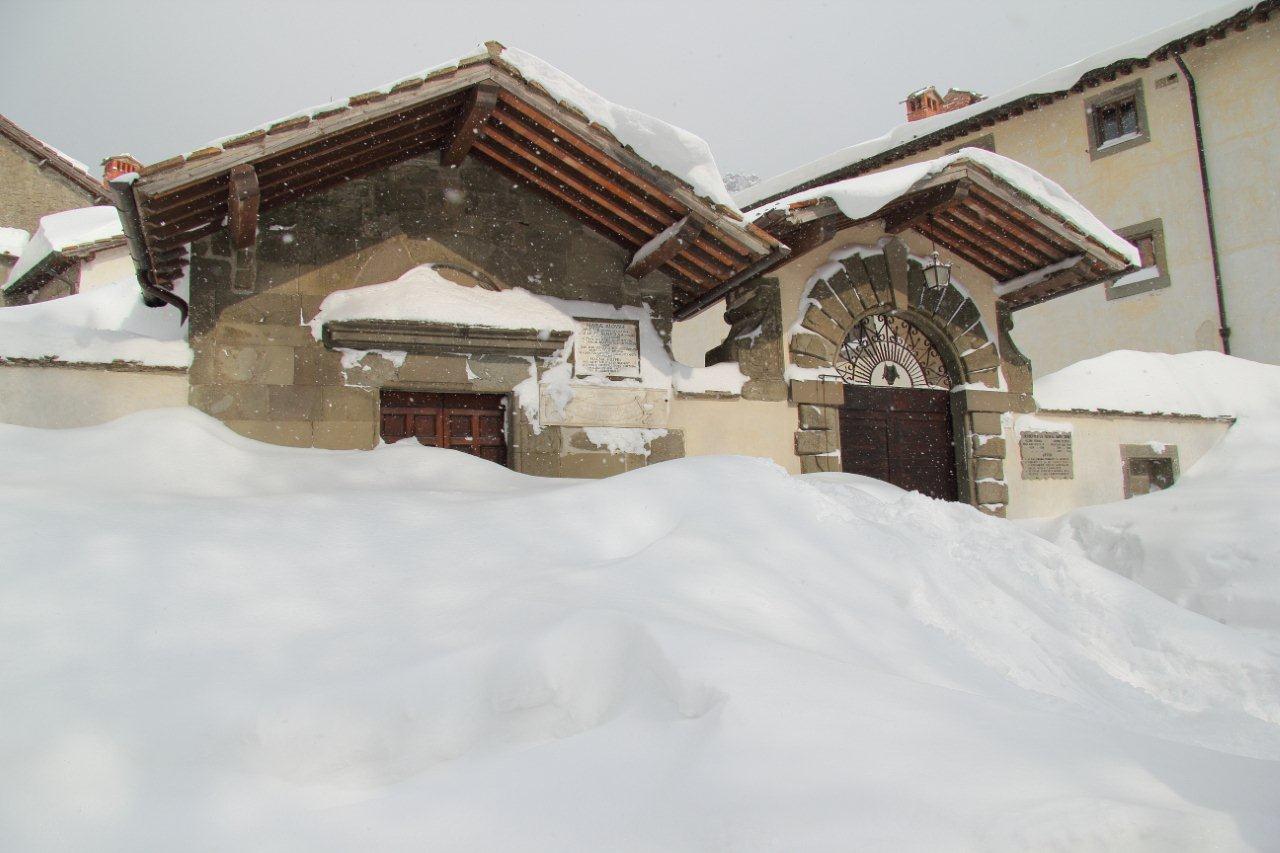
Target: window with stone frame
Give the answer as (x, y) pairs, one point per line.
(1148, 468)
(1148, 238)
(1117, 120)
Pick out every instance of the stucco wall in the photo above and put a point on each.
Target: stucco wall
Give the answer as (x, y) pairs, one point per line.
(105, 268)
(58, 397)
(1240, 110)
(28, 192)
(258, 367)
(734, 426)
(1096, 451)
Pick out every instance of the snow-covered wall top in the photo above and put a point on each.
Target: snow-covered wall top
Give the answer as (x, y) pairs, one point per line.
(1055, 81)
(670, 148)
(101, 326)
(862, 196)
(1208, 384)
(59, 232)
(423, 295)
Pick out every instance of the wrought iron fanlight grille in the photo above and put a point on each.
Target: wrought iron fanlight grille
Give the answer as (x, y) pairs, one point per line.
(887, 351)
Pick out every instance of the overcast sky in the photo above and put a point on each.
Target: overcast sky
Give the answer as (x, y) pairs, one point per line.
(769, 84)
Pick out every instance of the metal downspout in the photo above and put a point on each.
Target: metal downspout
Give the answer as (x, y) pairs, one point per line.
(1224, 330)
(130, 222)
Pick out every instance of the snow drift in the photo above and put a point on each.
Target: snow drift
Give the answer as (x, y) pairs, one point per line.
(214, 644)
(1208, 543)
(107, 324)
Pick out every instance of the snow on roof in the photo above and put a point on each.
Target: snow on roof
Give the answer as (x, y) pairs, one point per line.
(100, 326)
(1059, 80)
(860, 197)
(673, 149)
(63, 232)
(1208, 384)
(12, 240)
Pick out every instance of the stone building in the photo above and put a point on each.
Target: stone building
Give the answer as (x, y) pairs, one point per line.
(491, 258)
(1169, 138)
(36, 180)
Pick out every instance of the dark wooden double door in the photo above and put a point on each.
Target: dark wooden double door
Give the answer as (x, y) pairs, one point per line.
(472, 423)
(900, 435)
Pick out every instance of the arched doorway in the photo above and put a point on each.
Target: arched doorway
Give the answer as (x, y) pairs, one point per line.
(895, 422)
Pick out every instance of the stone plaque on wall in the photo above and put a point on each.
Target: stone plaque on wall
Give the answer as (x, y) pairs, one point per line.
(1046, 456)
(612, 407)
(607, 348)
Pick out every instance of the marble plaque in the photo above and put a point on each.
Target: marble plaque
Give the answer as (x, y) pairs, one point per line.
(612, 407)
(607, 348)
(1046, 456)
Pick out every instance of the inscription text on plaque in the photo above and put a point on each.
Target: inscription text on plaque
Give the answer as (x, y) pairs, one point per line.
(1046, 456)
(607, 348)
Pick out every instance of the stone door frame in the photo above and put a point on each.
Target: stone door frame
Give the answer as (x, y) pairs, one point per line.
(887, 280)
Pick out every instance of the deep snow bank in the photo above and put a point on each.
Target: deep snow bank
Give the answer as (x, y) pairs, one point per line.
(216, 644)
(1209, 542)
(107, 324)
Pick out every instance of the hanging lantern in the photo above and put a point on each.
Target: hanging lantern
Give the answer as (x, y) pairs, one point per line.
(937, 275)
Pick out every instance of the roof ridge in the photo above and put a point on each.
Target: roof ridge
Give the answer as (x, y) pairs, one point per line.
(59, 162)
(1007, 103)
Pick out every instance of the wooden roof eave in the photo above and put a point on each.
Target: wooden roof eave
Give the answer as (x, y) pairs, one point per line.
(900, 213)
(726, 226)
(182, 176)
(724, 249)
(1031, 208)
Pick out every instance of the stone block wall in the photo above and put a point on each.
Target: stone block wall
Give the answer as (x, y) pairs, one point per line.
(29, 191)
(259, 368)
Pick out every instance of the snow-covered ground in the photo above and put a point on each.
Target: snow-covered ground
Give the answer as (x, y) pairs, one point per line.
(1209, 543)
(213, 644)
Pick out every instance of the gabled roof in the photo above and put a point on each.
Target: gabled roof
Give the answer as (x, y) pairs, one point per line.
(76, 173)
(626, 174)
(914, 137)
(1008, 220)
(63, 240)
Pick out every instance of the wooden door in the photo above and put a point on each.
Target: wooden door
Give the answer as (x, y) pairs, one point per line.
(472, 423)
(899, 435)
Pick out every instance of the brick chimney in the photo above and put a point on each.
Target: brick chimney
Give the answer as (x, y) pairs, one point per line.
(926, 102)
(117, 165)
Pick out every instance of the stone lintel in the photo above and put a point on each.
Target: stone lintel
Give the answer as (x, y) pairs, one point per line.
(440, 338)
(997, 401)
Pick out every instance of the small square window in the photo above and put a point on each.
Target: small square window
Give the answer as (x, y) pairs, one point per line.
(1148, 239)
(1148, 468)
(1116, 120)
(1149, 475)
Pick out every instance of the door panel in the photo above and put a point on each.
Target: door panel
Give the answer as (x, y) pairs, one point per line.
(901, 436)
(472, 423)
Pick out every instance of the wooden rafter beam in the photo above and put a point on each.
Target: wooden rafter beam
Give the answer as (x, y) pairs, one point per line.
(976, 222)
(480, 104)
(911, 210)
(939, 233)
(664, 247)
(242, 206)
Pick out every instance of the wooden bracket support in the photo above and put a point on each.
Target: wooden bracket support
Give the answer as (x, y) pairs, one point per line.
(242, 206)
(664, 247)
(484, 97)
